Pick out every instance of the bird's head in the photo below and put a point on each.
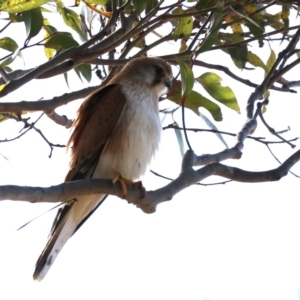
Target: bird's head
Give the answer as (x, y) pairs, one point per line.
(155, 72)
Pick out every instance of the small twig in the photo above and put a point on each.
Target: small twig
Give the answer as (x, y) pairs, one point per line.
(197, 183)
(51, 145)
(2, 29)
(271, 129)
(200, 31)
(272, 153)
(26, 125)
(183, 122)
(257, 139)
(167, 112)
(192, 58)
(284, 130)
(15, 138)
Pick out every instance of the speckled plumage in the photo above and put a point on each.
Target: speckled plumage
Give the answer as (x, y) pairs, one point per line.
(117, 132)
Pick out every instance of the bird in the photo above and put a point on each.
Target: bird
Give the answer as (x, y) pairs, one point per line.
(116, 134)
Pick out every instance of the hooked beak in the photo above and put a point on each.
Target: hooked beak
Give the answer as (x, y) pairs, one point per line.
(168, 84)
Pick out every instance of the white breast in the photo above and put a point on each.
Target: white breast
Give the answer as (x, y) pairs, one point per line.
(135, 138)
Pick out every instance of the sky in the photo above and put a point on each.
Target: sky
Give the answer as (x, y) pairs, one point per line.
(228, 241)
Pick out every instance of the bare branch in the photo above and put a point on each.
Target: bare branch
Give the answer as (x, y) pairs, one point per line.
(45, 105)
(58, 119)
(188, 176)
(272, 130)
(51, 145)
(257, 139)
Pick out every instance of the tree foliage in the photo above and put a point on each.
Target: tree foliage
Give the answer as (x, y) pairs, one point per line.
(96, 37)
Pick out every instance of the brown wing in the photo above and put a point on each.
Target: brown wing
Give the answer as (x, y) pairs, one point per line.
(95, 122)
(96, 119)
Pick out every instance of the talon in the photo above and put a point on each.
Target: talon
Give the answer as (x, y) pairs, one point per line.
(123, 182)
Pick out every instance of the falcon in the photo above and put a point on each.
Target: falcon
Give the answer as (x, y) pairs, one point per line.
(115, 135)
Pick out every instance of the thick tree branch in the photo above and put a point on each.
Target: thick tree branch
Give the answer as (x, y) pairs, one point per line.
(45, 105)
(15, 84)
(188, 176)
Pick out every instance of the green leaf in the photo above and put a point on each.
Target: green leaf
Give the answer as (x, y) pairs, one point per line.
(183, 45)
(285, 13)
(270, 62)
(10, 59)
(212, 84)
(43, 10)
(16, 6)
(140, 5)
(49, 31)
(256, 16)
(247, 18)
(33, 20)
(71, 19)
(187, 77)
(150, 5)
(4, 118)
(213, 33)
(8, 44)
(204, 4)
(7, 69)
(184, 26)
(255, 60)
(194, 100)
(273, 21)
(61, 40)
(85, 70)
(238, 54)
(236, 27)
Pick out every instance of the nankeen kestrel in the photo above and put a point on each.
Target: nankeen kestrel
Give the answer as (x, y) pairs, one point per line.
(116, 133)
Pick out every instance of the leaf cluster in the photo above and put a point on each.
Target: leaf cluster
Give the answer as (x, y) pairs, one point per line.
(128, 27)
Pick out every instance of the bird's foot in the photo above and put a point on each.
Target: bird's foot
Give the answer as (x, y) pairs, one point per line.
(124, 181)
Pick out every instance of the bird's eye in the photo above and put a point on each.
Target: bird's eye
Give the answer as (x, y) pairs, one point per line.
(159, 71)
